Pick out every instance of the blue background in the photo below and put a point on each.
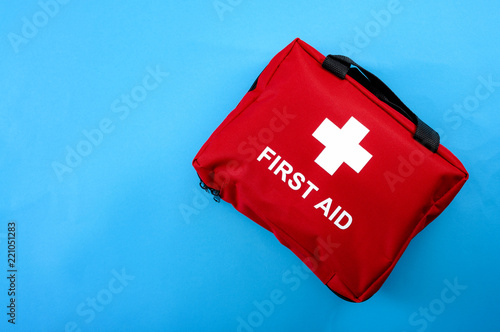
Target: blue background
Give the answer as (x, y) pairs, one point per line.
(132, 206)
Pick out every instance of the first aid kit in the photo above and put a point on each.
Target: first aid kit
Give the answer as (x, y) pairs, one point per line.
(325, 156)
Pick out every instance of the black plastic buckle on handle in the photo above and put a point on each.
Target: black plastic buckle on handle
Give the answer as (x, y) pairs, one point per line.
(340, 66)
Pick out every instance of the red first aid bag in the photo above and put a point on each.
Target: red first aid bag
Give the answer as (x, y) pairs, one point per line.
(324, 155)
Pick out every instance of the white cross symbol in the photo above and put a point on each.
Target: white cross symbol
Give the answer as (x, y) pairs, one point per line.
(342, 145)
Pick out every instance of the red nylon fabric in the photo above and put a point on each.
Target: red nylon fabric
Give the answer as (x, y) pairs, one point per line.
(398, 191)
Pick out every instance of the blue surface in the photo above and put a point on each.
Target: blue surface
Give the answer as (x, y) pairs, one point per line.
(123, 239)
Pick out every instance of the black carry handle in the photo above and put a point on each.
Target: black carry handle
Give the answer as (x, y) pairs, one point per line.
(340, 66)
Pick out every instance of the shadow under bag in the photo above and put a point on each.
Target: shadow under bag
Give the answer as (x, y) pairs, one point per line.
(324, 155)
